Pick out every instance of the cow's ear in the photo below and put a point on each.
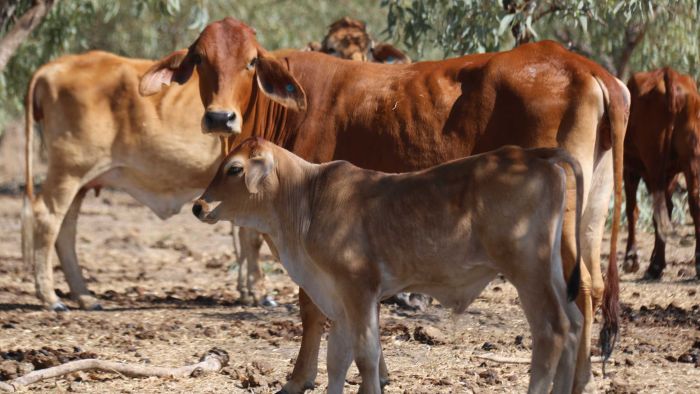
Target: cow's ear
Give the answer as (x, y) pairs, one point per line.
(278, 83)
(178, 67)
(259, 167)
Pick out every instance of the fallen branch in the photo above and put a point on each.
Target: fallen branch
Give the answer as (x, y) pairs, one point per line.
(212, 361)
(517, 360)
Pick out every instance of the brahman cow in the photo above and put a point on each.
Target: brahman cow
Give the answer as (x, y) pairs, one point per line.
(351, 237)
(100, 132)
(347, 38)
(405, 117)
(663, 140)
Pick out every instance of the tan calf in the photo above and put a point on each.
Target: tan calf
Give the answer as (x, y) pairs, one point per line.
(351, 237)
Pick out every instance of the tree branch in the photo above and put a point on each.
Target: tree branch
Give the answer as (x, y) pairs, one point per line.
(565, 37)
(21, 30)
(634, 34)
(212, 361)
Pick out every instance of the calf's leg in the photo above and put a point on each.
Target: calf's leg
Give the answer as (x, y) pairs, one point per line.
(65, 249)
(364, 326)
(631, 263)
(340, 354)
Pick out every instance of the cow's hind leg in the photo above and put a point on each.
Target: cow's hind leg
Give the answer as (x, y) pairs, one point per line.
(49, 210)
(657, 263)
(549, 326)
(631, 263)
(65, 248)
(692, 179)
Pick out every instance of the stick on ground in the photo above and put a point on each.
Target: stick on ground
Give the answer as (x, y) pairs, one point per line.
(516, 360)
(212, 361)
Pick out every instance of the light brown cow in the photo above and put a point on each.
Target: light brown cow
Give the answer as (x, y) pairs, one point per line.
(663, 140)
(397, 118)
(350, 237)
(99, 132)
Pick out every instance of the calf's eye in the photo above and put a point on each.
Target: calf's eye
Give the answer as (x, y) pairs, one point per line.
(234, 170)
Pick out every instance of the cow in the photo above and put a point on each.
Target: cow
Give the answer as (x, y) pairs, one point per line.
(662, 141)
(347, 38)
(99, 132)
(398, 118)
(446, 231)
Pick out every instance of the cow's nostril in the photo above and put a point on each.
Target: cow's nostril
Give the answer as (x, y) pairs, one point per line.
(219, 121)
(197, 209)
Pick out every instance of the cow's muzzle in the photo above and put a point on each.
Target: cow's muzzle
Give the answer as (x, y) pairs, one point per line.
(221, 122)
(202, 211)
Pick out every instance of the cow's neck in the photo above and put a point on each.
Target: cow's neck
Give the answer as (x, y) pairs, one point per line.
(265, 118)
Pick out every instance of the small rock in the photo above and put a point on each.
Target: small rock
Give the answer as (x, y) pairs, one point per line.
(8, 370)
(686, 358)
(262, 366)
(692, 292)
(429, 335)
(489, 346)
(490, 377)
(519, 340)
(684, 273)
(629, 362)
(671, 358)
(8, 326)
(210, 332)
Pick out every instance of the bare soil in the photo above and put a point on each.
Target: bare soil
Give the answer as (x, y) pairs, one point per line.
(169, 296)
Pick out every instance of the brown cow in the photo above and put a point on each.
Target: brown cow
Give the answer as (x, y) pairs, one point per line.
(663, 140)
(446, 231)
(347, 38)
(100, 132)
(397, 118)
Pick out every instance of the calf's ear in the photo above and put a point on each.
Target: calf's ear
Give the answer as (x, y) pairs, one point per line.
(259, 167)
(178, 67)
(278, 83)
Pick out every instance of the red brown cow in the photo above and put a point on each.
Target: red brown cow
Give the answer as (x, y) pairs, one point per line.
(662, 141)
(396, 118)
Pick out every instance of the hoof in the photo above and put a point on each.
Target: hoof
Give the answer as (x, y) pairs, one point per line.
(269, 302)
(95, 307)
(59, 307)
(290, 388)
(246, 300)
(631, 263)
(652, 275)
(89, 303)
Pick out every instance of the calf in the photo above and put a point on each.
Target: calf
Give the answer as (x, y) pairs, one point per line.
(662, 140)
(350, 237)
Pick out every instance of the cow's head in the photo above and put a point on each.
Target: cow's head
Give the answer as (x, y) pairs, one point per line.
(229, 61)
(242, 187)
(347, 38)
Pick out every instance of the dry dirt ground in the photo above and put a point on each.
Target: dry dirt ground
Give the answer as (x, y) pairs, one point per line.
(169, 296)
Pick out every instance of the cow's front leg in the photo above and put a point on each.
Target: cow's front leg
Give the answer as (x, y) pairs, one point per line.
(631, 263)
(658, 255)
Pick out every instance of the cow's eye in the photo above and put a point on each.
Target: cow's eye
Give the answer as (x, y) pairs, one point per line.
(234, 170)
(252, 63)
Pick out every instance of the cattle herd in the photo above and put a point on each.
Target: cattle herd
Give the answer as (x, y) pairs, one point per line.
(373, 177)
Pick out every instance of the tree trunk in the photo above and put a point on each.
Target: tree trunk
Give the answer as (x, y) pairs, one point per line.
(22, 29)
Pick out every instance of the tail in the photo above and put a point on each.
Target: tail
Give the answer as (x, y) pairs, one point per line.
(30, 113)
(556, 156)
(617, 103)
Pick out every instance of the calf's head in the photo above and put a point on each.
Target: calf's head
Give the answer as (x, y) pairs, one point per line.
(230, 63)
(242, 187)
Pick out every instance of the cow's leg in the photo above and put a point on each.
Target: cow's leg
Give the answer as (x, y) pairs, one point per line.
(238, 252)
(340, 354)
(306, 365)
(592, 285)
(361, 312)
(692, 179)
(632, 179)
(657, 262)
(49, 210)
(549, 326)
(65, 249)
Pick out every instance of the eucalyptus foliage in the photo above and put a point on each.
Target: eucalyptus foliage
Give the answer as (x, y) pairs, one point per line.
(153, 28)
(624, 36)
